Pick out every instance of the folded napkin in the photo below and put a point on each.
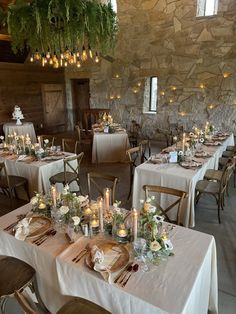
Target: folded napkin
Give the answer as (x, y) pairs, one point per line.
(21, 157)
(104, 262)
(22, 229)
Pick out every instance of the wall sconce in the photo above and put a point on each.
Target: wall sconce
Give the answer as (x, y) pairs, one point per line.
(171, 101)
(226, 74)
(211, 106)
(117, 75)
(139, 84)
(182, 113)
(173, 88)
(162, 93)
(202, 86)
(135, 90)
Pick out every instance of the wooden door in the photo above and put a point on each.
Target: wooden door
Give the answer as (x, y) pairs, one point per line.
(81, 97)
(53, 96)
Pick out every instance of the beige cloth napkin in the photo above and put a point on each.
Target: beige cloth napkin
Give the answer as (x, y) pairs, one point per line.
(104, 262)
(22, 229)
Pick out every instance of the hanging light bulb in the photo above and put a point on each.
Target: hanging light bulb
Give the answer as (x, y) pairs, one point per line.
(31, 59)
(96, 58)
(37, 55)
(65, 64)
(50, 61)
(78, 64)
(48, 55)
(61, 62)
(84, 54)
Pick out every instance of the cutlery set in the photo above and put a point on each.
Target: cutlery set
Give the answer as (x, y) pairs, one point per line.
(43, 238)
(80, 255)
(11, 226)
(125, 274)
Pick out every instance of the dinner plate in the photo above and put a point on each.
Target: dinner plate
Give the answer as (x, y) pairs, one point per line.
(203, 155)
(108, 247)
(38, 226)
(190, 164)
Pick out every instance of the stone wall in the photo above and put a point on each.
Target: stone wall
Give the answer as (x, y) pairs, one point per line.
(194, 59)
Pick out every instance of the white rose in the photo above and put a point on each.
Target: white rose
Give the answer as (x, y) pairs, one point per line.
(76, 220)
(46, 141)
(34, 200)
(148, 200)
(155, 246)
(41, 150)
(64, 210)
(152, 209)
(2, 137)
(152, 197)
(201, 140)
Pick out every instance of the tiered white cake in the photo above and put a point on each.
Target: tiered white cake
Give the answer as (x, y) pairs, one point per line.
(17, 115)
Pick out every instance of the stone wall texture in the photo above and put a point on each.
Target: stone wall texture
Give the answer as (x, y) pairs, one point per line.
(193, 57)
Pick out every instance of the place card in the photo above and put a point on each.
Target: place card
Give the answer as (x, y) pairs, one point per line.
(173, 157)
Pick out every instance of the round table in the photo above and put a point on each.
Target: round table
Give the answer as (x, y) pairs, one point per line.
(25, 128)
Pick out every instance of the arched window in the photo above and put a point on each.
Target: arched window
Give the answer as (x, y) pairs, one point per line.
(207, 7)
(114, 5)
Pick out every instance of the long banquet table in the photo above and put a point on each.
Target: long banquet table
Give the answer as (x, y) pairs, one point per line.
(37, 172)
(175, 176)
(109, 147)
(185, 283)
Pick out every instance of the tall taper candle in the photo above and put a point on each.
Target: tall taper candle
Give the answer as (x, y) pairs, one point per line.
(54, 195)
(100, 208)
(135, 224)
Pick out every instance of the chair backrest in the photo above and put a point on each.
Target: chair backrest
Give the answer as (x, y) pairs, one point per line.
(145, 146)
(51, 139)
(228, 153)
(134, 155)
(3, 173)
(227, 172)
(180, 195)
(70, 145)
(82, 306)
(100, 180)
(77, 127)
(27, 307)
(72, 166)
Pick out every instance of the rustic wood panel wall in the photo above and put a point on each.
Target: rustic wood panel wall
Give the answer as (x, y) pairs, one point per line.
(21, 85)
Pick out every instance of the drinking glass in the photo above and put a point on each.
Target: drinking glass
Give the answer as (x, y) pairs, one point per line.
(139, 245)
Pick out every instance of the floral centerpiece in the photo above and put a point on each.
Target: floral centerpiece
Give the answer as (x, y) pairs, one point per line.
(154, 232)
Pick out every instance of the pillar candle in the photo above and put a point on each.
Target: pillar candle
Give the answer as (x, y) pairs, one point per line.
(135, 224)
(39, 140)
(183, 142)
(100, 208)
(107, 194)
(54, 196)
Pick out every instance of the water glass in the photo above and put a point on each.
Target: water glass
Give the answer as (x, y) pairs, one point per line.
(139, 245)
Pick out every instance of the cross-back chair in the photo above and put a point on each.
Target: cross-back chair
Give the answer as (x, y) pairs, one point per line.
(180, 196)
(71, 171)
(70, 145)
(51, 139)
(9, 183)
(145, 148)
(96, 179)
(15, 276)
(223, 161)
(215, 188)
(134, 159)
(228, 153)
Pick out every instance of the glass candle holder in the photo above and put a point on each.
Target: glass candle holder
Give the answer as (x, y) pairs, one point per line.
(122, 234)
(94, 224)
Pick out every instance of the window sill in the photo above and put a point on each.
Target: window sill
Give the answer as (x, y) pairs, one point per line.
(150, 112)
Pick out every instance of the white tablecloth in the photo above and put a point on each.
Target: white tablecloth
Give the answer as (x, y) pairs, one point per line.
(185, 283)
(25, 128)
(37, 173)
(109, 147)
(174, 176)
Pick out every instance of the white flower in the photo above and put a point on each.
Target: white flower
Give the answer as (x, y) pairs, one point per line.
(141, 202)
(148, 200)
(175, 138)
(115, 205)
(41, 150)
(66, 189)
(152, 209)
(64, 210)
(180, 153)
(158, 218)
(152, 197)
(155, 246)
(201, 140)
(34, 200)
(168, 244)
(28, 142)
(2, 137)
(76, 220)
(82, 198)
(46, 141)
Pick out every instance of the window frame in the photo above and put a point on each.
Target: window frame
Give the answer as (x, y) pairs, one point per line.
(150, 94)
(216, 3)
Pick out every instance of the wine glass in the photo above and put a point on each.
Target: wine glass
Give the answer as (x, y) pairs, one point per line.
(139, 246)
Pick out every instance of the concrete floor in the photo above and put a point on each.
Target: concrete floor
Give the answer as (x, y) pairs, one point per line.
(206, 221)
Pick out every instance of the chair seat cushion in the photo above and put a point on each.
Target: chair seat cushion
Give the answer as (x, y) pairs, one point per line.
(59, 177)
(14, 274)
(212, 174)
(205, 186)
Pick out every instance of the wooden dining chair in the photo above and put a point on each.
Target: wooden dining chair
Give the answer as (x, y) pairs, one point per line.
(134, 159)
(70, 145)
(99, 181)
(215, 188)
(83, 306)
(222, 164)
(9, 183)
(177, 194)
(145, 146)
(228, 153)
(51, 139)
(231, 148)
(71, 171)
(15, 276)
